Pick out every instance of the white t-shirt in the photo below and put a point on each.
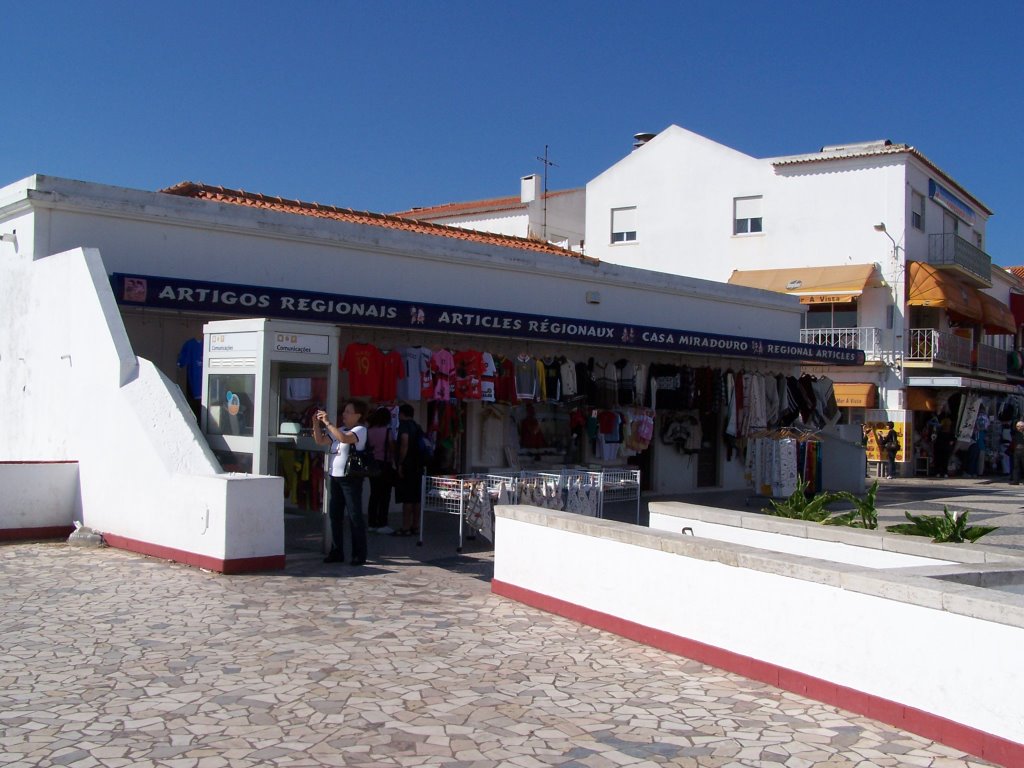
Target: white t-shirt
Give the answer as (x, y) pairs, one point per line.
(339, 450)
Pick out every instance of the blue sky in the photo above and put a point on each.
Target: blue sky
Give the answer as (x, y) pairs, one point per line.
(385, 105)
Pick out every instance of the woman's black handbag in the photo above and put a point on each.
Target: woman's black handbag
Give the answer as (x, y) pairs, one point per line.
(361, 464)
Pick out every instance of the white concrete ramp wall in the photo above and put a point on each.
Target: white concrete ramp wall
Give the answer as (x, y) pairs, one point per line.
(74, 391)
(933, 657)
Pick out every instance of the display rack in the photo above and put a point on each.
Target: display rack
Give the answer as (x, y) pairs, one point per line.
(618, 485)
(583, 491)
(451, 494)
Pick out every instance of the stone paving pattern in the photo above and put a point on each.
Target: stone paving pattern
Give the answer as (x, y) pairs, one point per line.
(108, 658)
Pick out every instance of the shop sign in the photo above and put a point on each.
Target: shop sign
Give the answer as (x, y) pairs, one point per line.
(205, 297)
(950, 202)
(245, 341)
(301, 343)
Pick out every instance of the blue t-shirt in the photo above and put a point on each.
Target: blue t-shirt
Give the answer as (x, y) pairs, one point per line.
(191, 359)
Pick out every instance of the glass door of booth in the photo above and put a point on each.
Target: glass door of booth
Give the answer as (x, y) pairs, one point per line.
(297, 391)
(231, 419)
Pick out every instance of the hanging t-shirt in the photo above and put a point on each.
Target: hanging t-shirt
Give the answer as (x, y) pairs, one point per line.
(526, 378)
(505, 381)
(442, 366)
(415, 362)
(391, 369)
(469, 365)
(191, 359)
(363, 364)
(487, 379)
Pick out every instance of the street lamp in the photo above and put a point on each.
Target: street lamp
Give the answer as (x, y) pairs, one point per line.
(880, 227)
(896, 319)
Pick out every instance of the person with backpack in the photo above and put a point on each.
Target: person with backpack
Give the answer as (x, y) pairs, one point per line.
(890, 444)
(410, 462)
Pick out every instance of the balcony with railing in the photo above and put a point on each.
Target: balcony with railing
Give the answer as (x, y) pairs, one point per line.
(931, 347)
(992, 359)
(949, 250)
(867, 339)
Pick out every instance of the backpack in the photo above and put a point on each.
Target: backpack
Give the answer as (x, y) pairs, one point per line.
(424, 444)
(892, 442)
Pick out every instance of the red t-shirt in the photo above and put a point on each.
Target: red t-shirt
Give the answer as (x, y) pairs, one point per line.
(363, 364)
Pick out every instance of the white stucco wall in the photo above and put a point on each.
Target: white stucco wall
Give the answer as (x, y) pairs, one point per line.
(815, 214)
(150, 233)
(798, 614)
(73, 390)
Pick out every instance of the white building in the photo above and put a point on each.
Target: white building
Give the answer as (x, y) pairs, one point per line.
(94, 275)
(885, 250)
(554, 217)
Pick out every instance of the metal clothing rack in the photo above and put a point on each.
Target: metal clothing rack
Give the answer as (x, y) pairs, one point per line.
(613, 485)
(451, 494)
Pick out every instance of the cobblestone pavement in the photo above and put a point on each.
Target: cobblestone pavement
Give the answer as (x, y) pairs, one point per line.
(113, 659)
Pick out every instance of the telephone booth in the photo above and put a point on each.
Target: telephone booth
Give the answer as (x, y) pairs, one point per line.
(262, 381)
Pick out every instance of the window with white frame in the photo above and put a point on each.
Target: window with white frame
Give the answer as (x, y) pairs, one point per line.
(917, 210)
(624, 225)
(746, 216)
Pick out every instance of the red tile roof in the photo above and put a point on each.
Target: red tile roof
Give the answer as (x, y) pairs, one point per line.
(509, 203)
(1016, 271)
(200, 191)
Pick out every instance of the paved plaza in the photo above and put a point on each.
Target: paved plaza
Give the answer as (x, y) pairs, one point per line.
(108, 658)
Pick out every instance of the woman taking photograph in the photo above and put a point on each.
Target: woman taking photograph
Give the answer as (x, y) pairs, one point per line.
(346, 492)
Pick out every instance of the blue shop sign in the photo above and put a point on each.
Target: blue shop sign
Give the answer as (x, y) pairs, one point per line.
(339, 309)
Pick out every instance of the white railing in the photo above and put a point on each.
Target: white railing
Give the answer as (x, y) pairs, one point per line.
(867, 339)
(931, 346)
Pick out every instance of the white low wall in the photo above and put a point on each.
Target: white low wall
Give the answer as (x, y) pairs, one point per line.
(37, 499)
(893, 644)
(74, 391)
(838, 544)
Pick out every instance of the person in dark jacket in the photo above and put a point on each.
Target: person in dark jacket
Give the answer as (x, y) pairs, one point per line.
(1017, 453)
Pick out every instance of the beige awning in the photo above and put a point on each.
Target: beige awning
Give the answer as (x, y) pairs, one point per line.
(855, 394)
(814, 285)
(931, 287)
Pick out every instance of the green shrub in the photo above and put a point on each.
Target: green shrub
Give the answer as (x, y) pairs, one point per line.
(863, 515)
(942, 528)
(799, 507)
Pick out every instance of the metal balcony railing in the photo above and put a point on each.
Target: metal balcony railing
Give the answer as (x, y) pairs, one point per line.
(950, 249)
(867, 339)
(931, 346)
(992, 359)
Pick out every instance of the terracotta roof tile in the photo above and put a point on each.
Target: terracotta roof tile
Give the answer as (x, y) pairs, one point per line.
(200, 191)
(1016, 271)
(509, 203)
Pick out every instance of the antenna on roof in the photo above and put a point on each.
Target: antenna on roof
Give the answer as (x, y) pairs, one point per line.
(547, 163)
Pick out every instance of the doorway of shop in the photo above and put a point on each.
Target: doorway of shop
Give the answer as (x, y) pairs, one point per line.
(707, 456)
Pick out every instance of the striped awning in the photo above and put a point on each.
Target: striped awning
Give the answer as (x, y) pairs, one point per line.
(996, 316)
(931, 287)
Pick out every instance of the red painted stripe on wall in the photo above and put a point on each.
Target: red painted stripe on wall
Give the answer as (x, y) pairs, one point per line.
(957, 735)
(236, 565)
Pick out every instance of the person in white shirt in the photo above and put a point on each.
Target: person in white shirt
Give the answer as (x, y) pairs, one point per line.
(346, 492)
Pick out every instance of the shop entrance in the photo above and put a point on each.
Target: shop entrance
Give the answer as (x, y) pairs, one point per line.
(707, 456)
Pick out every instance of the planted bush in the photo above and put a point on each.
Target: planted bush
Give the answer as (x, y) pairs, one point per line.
(944, 528)
(799, 507)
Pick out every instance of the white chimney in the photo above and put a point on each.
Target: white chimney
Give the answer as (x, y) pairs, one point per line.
(529, 188)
